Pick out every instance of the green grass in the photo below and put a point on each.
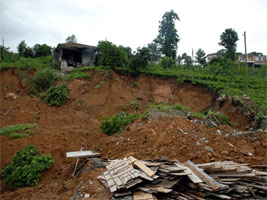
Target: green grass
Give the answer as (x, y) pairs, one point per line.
(17, 131)
(74, 74)
(29, 63)
(168, 106)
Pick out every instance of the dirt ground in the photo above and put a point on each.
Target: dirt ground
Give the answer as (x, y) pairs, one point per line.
(75, 125)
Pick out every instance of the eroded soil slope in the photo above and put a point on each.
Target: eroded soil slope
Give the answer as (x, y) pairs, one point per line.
(76, 125)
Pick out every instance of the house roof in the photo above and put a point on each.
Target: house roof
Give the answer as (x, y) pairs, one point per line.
(72, 45)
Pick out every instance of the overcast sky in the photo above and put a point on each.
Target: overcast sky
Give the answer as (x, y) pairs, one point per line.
(133, 23)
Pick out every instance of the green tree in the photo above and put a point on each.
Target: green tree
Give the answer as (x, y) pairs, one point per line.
(179, 60)
(28, 52)
(187, 60)
(22, 47)
(168, 38)
(140, 58)
(228, 40)
(42, 50)
(111, 55)
(71, 38)
(200, 57)
(154, 51)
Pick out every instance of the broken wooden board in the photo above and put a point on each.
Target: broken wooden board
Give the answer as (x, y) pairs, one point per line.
(80, 154)
(141, 165)
(205, 177)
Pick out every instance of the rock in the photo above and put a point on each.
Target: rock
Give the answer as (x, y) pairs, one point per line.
(11, 96)
(209, 149)
(219, 132)
(86, 195)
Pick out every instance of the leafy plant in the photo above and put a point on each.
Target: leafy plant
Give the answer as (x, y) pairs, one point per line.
(134, 104)
(167, 62)
(258, 118)
(117, 123)
(17, 131)
(43, 80)
(25, 168)
(57, 95)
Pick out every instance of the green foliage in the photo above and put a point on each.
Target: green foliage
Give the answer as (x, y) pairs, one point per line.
(77, 74)
(223, 119)
(17, 131)
(134, 104)
(117, 123)
(40, 63)
(154, 51)
(140, 59)
(200, 57)
(258, 118)
(22, 47)
(43, 80)
(229, 39)
(168, 38)
(229, 81)
(167, 62)
(7, 56)
(169, 106)
(42, 50)
(26, 167)
(71, 38)
(111, 55)
(57, 95)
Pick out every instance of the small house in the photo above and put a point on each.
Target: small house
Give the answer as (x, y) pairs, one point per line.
(72, 55)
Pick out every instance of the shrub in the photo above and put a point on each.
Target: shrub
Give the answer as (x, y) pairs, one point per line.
(43, 80)
(25, 168)
(117, 123)
(167, 62)
(57, 95)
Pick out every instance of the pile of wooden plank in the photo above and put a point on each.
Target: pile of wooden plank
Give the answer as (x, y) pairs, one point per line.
(130, 178)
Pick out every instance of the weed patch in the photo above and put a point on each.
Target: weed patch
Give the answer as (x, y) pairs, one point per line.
(117, 123)
(17, 131)
(57, 95)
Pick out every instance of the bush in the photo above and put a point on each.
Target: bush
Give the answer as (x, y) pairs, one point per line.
(43, 80)
(26, 168)
(167, 62)
(57, 95)
(116, 124)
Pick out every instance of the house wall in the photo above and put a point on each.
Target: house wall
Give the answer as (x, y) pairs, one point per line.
(88, 57)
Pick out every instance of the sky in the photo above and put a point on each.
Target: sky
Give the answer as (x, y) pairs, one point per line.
(133, 23)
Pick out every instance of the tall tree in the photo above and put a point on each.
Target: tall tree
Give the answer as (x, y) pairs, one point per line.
(228, 40)
(71, 38)
(168, 38)
(200, 57)
(42, 50)
(22, 47)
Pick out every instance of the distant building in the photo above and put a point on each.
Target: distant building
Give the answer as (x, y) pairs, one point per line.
(72, 55)
(253, 60)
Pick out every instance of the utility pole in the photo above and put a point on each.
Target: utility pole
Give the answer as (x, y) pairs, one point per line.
(3, 50)
(246, 59)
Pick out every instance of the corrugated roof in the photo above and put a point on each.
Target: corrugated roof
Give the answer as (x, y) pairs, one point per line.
(72, 45)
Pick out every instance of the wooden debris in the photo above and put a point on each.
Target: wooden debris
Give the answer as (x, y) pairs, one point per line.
(146, 180)
(79, 154)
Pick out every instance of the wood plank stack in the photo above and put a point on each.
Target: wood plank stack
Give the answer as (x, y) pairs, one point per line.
(130, 178)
